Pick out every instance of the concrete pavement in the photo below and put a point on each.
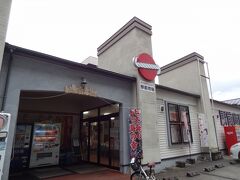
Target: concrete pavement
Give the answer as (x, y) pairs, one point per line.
(229, 171)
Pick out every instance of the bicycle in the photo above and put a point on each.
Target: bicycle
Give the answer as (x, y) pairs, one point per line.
(139, 173)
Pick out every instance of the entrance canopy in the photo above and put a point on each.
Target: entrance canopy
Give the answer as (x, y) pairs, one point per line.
(54, 101)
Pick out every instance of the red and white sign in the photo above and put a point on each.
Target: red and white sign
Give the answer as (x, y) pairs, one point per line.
(146, 66)
(231, 136)
(135, 133)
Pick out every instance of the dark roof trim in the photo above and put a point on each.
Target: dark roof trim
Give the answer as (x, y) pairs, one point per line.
(182, 61)
(223, 103)
(133, 23)
(63, 62)
(177, 91)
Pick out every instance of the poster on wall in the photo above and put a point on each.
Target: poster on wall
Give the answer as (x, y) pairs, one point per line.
(135, 133)
(203, 130)
(237, 129)
(186, 130)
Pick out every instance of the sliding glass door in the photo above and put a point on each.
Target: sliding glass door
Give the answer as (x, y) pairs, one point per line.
(104, 142)
(100, 138)
(93, 143)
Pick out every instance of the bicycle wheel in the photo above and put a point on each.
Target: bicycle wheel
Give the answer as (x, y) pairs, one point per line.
(137, 176)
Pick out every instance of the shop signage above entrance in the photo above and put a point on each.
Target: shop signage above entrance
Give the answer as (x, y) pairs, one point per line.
(81, 90)
(146, 66)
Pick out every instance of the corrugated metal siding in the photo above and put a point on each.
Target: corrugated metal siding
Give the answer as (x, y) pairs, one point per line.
(176, 150)
(220, 131)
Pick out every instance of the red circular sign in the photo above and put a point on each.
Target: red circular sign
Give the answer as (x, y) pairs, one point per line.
(146, 66)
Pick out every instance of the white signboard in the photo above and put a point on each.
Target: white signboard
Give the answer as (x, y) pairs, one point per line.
(145, 86)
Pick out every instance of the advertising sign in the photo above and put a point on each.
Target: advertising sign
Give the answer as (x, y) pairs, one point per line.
(229, 119)
(237, 129)
(146, 66)
(4, 129)
(135, 133)
(203, 130)
(186, 132)
(231, 136)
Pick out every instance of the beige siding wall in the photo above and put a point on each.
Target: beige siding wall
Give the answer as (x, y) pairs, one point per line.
(188, 77)
(180, 77)
(167, 150)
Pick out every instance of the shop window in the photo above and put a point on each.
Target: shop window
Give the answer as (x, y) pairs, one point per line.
(179, 124)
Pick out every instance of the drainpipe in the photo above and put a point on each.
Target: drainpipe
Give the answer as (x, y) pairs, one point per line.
(212, 106)
(6, 79)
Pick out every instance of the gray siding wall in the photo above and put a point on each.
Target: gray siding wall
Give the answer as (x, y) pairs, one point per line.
(28, 73)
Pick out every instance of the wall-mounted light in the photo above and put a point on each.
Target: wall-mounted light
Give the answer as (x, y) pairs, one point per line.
(83, 81)
(161, 108)
(85, 112)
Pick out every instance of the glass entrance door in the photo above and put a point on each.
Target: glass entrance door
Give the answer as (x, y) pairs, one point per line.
(104, 142)
(93, 143)
(84, 140)
(100, 138)
(114, 142)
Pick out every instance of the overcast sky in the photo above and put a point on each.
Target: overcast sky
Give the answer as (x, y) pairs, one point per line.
(73, 29)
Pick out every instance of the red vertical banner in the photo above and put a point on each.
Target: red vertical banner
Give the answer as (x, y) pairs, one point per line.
(135, 133)
(231, 136)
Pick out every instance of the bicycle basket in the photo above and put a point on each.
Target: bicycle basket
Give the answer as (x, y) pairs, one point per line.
(135, 165)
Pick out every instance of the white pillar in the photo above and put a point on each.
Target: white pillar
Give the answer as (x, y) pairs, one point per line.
(5, 6)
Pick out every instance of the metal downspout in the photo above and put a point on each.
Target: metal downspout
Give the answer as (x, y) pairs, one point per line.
(212, 106)
(203, 101)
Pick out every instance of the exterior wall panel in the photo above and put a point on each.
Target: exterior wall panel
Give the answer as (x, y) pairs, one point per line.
(30, 73)
(219, 128)
(166, 149)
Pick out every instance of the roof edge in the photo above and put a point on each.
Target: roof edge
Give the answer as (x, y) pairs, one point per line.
(64, 62)
(133, 23)
(221, 102)
(182, 61)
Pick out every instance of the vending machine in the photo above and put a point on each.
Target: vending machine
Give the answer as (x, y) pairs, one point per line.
(4, 129)
(45, 145)
(21, 150)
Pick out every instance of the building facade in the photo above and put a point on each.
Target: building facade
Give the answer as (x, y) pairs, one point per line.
(89, 107)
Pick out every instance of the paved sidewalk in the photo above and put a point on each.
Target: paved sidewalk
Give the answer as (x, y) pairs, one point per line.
(229, 171)
(100, 175)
